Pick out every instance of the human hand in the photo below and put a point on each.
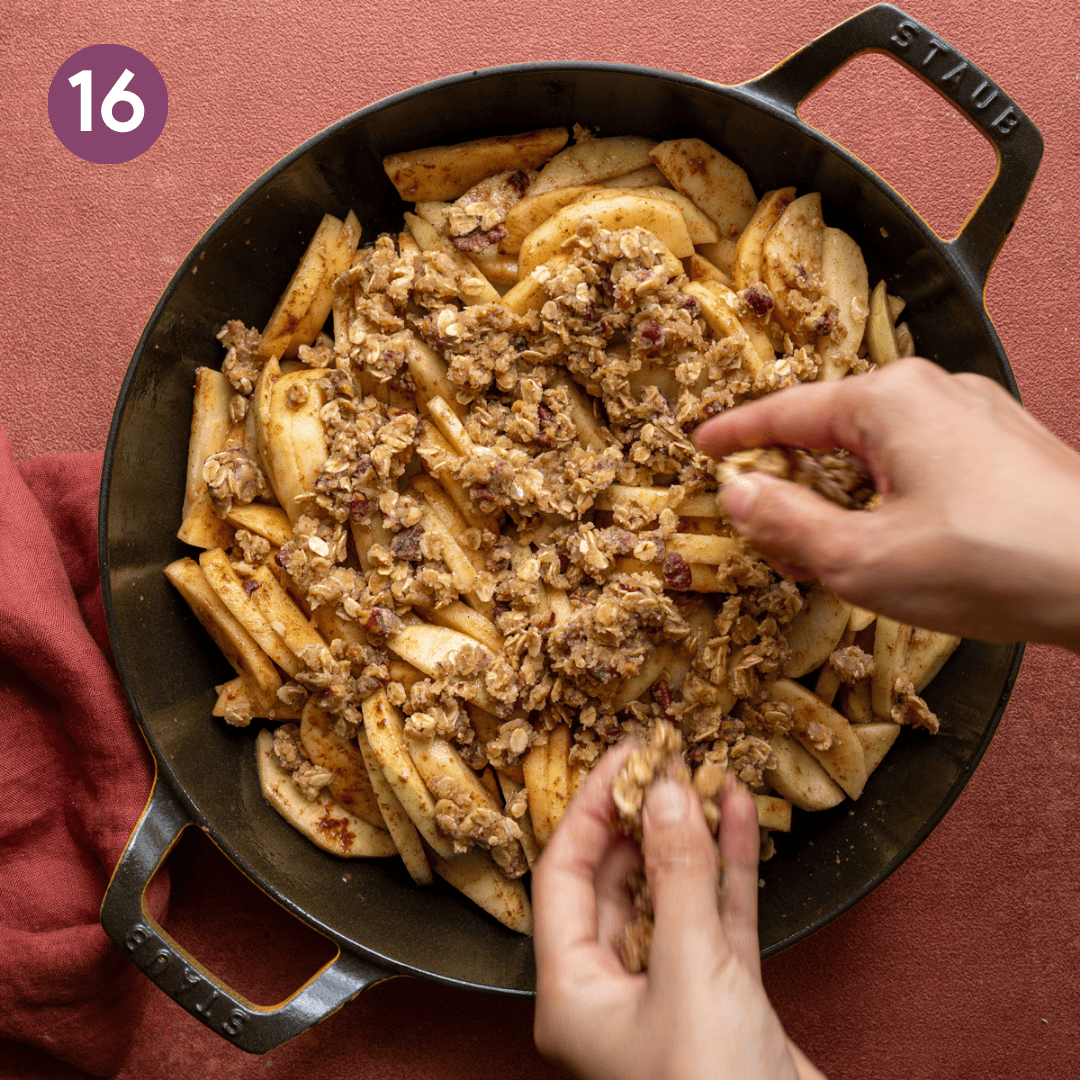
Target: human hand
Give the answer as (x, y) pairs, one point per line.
(979, 530)
(700, 1010)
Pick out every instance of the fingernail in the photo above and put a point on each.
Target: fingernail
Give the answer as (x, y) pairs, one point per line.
(666, 802)
(739, 495)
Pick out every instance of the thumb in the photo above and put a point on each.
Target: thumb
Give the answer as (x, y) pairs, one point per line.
(787, 520)
(683, 874)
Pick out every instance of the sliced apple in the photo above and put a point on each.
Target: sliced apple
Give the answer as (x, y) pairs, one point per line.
(877, 740)
(295, 439)
(529, 293)
(281, 611)
(385, 729)
(590, 160)
(478, 878)
(241, 697)
(338, 256)
(427, 647)
(698, 224)
(579, 773)
(433, 211)
(447, 172)
(855, 701)
(260, 410)
(228, 633)
(498, 268)
(533, 211)
(891, 641)
(844, 281)
(719, 308)
(698, 268)
(438, 762)
(880, 336)
(843, 760)
(721, 255)
(800, 778)
(747, 265)
(269, 522)
(323, 820)
(622, 211)
(815, 631)
(715, 183)
(828, 681)
(428, 371)
(400, 826)
(459, 616)
(773, 812)
(534, 768)
(905, 343)
(224, 580)
(302, 289)
(791, 262)
(558, 772)
(510, 786)
(351, 785)
(201, 527)
(650, 176)
(927, 652)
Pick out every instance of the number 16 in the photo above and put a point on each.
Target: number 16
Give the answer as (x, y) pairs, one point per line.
(118, 93)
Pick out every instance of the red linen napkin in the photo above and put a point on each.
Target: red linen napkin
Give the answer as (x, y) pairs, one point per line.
(73, 777)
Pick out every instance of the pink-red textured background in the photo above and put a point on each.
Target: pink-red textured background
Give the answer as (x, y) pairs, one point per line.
(963, 963)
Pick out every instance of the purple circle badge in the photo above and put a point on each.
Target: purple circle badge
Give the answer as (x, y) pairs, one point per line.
(108, 104)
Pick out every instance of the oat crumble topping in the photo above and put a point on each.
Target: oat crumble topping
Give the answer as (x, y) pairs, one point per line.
(578, 600)
(613, 309)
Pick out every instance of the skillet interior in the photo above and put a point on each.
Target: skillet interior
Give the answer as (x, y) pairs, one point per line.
(238, 269)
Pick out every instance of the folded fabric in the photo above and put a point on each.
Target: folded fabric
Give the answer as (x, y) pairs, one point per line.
(74, 772)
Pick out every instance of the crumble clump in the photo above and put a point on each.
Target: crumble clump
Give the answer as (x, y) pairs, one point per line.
(832, 473)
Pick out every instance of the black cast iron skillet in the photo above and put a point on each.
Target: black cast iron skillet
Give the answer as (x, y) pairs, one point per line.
(382, 923)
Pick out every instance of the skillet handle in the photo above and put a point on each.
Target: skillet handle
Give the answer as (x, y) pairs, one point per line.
(1017, 142)
(127, 920)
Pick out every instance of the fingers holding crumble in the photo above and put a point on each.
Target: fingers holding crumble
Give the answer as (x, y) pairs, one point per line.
(979, 510)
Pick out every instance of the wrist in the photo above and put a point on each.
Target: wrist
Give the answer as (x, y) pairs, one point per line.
(805, 1069)
(1053, 607)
